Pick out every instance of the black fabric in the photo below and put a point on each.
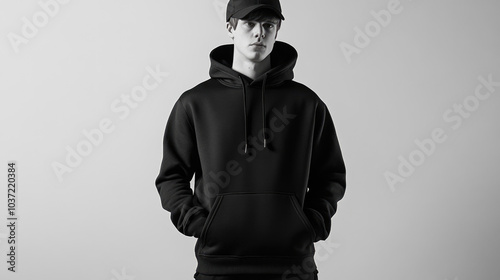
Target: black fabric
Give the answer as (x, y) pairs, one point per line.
(241, 8)
(259, 210)
(311, 276)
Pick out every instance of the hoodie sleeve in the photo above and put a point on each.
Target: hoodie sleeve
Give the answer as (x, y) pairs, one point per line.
(327, 180)
(180, 162)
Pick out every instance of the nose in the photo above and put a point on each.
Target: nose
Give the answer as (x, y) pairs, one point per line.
(259, 31)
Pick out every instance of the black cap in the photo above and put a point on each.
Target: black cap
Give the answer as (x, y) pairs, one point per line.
(241, 8)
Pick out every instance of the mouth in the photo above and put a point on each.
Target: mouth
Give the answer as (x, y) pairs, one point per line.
(258, 45)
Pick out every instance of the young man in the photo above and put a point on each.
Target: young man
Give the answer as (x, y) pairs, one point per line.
(263, 148)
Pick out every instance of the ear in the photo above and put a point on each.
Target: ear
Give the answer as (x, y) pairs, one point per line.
(230, 30)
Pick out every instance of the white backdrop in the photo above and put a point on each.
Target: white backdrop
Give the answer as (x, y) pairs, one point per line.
(413, 87)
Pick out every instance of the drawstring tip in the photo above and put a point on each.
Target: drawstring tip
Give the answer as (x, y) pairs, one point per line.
(245, 148)
(264, 142)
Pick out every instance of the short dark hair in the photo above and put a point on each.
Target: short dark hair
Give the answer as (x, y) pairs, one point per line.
(258, 15)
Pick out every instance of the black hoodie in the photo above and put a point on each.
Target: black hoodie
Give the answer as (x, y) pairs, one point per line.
(267, 164)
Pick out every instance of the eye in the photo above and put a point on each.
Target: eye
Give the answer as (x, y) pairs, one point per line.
(249, 24)
(268, 25)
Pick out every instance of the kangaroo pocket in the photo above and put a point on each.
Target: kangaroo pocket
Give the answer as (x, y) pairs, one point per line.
(257, 224)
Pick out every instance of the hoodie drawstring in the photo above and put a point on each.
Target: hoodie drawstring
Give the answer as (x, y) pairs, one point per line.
(244, 111)
(263, 111)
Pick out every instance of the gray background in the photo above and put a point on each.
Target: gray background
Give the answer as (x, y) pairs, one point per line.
(103, 220)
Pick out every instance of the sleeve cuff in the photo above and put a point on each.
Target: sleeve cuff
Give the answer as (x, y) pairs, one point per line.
(317, 223)
(196, 223)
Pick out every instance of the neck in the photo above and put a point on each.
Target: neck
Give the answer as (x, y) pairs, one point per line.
(249, 68)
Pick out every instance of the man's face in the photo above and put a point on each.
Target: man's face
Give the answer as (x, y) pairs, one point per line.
(254, 40)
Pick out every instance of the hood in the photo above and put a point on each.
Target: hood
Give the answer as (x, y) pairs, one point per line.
(283, 59)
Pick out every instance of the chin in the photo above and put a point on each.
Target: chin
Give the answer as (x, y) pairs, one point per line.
(257, 57)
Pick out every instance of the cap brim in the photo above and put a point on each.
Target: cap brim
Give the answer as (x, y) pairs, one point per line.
(246, 11)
